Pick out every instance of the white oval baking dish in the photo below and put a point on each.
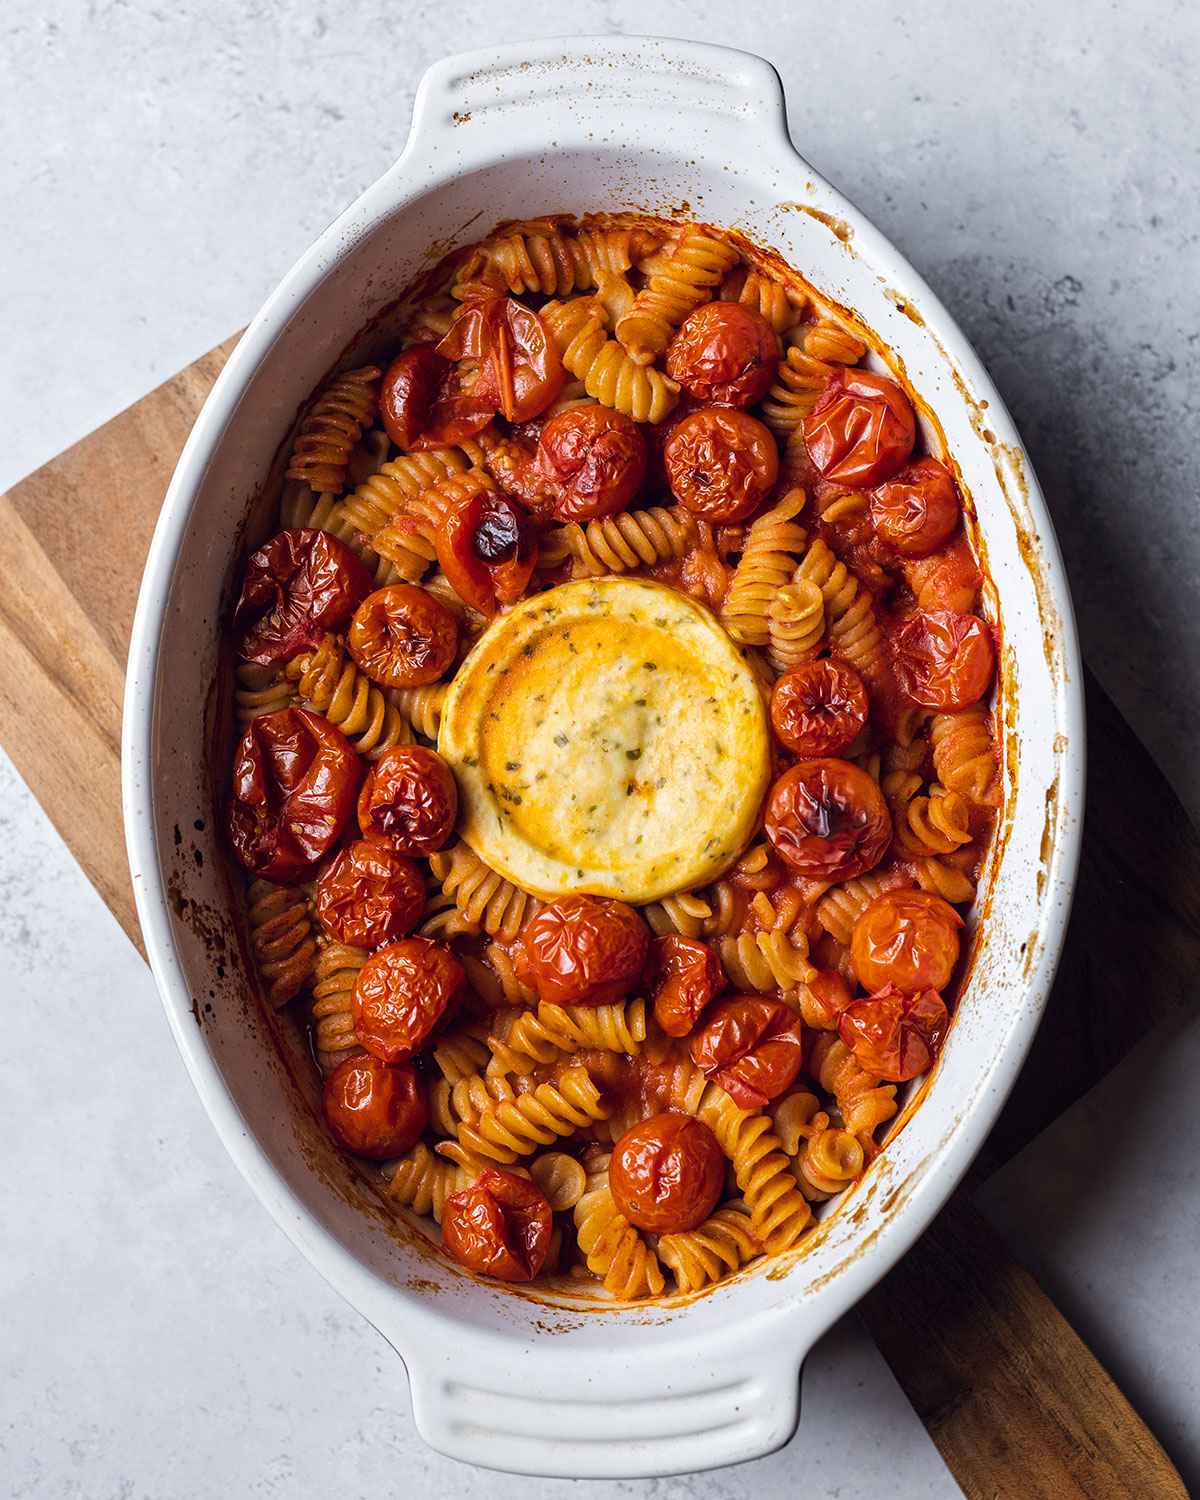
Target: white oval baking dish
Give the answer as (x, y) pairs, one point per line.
(501, 1379)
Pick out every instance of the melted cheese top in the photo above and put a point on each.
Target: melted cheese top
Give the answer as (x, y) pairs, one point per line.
(607, 737)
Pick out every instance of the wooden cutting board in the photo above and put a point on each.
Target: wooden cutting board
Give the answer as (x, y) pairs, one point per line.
(1016, 1403)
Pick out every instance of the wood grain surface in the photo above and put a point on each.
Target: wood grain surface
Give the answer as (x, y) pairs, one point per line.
(1016, 1403)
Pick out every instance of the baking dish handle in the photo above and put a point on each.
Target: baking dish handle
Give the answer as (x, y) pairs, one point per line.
(568, 91)
(592, 1414)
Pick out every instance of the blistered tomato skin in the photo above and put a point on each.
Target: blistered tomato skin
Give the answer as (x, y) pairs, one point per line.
(721, 465)
(299, 585)
(409, 388)
(409, 801)
(402, 994)
(369, 895)
(819, 708)
(751, 1046)
(895, 1036)
(595, 458)
(666, 1174)
(521, 369)
(583, 950)
(943, 659)
(373, 1110)
(724, 354)
(294, 780)
(862, 429)
(908, 939)
(401, 636)
(499, 1227)
(915, 512)
(488, 550)
(683, 975)
(828, 819)
(829, 995)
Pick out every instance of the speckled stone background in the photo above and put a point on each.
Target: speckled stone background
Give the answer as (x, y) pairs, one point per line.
(160, 167)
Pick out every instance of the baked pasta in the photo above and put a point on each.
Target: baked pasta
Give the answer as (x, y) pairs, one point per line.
(618, 756)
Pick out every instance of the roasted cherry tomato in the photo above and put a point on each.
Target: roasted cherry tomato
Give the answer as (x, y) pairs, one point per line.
(409, 800)
(401, 636)
(294, 780)
(583, 950)
(402, 994)
(499, 1227)
(374, 1110)
(751, 1046)
(724, 354)
(487, 550)
(667, 1173)
(943, 659)
(862, 429)
(369, 895)
(819, 708)
(299, 585)
(908, 939)
(721, 464)
(917, 511)
(895, 1036)
(684, 974)
(423, 405)
(828, 819)
(522, 371)
(596, 460)
(829, 995)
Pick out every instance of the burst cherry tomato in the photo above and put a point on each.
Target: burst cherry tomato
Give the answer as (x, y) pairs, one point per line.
(915, 512)
(861, 430)
(684, 974)
(423, 405)
(299, 585)
(751, 1046)
(724, 354)
(583, 950)
(943, 659)
(819, 708)
(499, 1227)
(829, 995)
(409, 800)
(721, 464)
(487, 550)
(895, 1036)
(522, 371)
(828, 819)
(401, 995)
(908, 939)
(596, 459)
(401, 636)
(370, 895)
(666, 1174)
(373, 1110)
(294, 780)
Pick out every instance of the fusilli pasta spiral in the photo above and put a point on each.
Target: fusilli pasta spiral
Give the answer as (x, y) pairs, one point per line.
(612, 1248)
(488, 901)
(608, 373)
(261, 690)
(683, 277)
(335, 970)
(964, 755)
(630, 539)
(773, 544)
(281, 934)
(721, 1245)
(795, 625)
(864, 1101)
(321, 454)
(512, 1128)
(541, 1037)
(331, 684)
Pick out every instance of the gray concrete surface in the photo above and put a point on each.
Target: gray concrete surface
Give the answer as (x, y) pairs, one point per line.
(160, 167)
